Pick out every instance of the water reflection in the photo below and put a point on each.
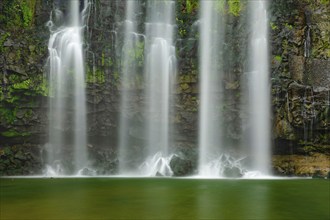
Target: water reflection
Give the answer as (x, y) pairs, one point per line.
(207, 209)
(163, 198)
(236, 200)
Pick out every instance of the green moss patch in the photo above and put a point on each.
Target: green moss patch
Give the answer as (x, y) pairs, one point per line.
(13, 133)
(17, 14)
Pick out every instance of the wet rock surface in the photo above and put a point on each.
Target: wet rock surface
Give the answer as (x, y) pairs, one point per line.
(300, 62)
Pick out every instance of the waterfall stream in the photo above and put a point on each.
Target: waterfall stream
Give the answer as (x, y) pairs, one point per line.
(160, 70)
(147, 69)
(259, 89)
(67, 107)
(216, 158)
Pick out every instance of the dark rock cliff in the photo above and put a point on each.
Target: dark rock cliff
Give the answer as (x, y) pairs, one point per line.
(300, 77)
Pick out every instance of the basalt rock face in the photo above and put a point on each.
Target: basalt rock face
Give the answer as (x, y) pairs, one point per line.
(300, 77)
(300, 83)
(23, 94)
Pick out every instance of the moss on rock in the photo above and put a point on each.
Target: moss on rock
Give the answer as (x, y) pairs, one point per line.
(14, 133)
(17, 13)
(301, 165)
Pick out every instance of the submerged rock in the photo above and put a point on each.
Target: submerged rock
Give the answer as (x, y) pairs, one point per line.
(180, 166)
(232, 172)
(87, 172)
(318, 175)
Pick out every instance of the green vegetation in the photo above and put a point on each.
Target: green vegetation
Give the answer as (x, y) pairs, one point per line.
(278, 58)
(3, 38)
(2, 97)
(8, 115)
(187, 11)
(273, 26)
(115, 76)
(314, 148)
(182, 30)
(17, 14)
(325, 2)
(221, 4)
(188, 6)
(315, 2)
(19, 91)
(288, 26)
(102, 59)
(13, 133)
(233, 7)
(136, 54)
(26, 84)
(95, 77)
(37, 86)
(191, 6)
(27, 9)
(106, 60)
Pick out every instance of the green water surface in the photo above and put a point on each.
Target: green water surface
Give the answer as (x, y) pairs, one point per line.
(163, 198)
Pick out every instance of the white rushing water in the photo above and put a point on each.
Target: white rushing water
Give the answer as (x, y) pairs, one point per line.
(259, 88)
(67, 150)
(210, 130)
(67, 89)
(127, 76)
(160, 67)
(216, 159)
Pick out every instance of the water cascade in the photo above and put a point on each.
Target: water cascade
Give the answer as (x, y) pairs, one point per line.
(210, 140)
(219, 156)
(259, 89)
(130, 27)
(67, 152)
(132, 43)
(151, 56)
(160, 66)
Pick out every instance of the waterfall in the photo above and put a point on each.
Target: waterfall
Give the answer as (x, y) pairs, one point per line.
(159, 72)
(148, 54)
(211, 74)
(160, 65)
(128, 75)
(259, 88)
(67, 152)
(218, 157)
(307, 43)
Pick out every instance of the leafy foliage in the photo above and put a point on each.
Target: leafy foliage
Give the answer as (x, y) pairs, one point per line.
(233, 7)
(13, 133)
(8, 115)
(191, 5)
(95, 77)
(17, 14)
(3, 38)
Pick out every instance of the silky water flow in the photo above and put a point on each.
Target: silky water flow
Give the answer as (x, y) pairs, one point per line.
(67, 146)
(216, 159)
(67, 152)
